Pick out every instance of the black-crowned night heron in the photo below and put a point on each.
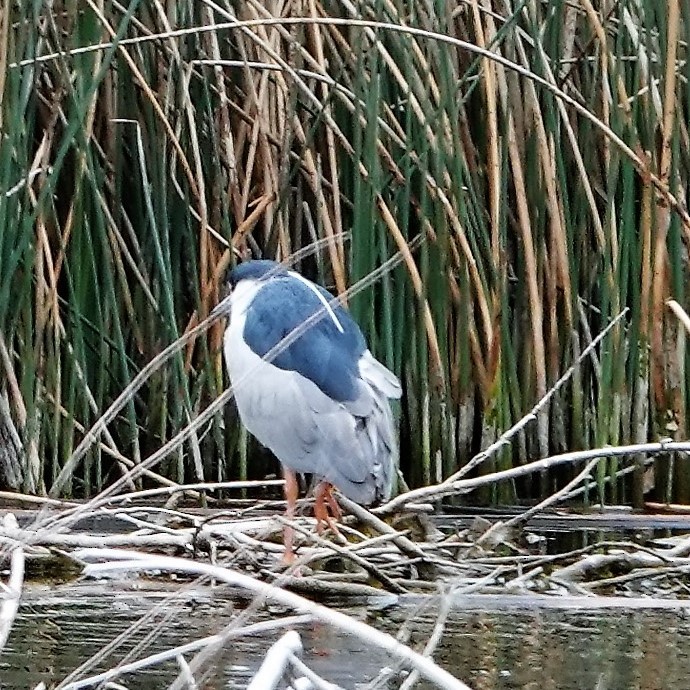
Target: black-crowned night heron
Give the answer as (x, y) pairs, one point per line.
(319, 401)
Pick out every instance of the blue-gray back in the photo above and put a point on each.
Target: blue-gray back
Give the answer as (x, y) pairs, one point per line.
(322, 354)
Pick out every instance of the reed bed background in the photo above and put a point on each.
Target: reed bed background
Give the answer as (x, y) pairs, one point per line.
(527, 160)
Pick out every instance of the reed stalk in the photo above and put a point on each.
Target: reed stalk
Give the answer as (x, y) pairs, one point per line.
(541, 151)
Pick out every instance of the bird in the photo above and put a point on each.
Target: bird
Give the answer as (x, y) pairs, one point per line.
(308, 388)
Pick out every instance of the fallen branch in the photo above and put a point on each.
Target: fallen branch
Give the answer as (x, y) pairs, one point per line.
(276, 661)
(462, 486)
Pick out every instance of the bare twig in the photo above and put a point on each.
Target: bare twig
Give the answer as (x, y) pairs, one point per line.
(275, 662)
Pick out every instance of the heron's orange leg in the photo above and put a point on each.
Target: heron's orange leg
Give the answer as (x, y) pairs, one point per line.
(324, 499)
(291, 493)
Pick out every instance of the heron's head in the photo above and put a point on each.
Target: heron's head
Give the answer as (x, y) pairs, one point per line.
(258, 270)
(246, 276)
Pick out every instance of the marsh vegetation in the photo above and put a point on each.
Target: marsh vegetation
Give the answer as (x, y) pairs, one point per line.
(497, 191)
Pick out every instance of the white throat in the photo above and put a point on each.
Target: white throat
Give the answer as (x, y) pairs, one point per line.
(242, 296)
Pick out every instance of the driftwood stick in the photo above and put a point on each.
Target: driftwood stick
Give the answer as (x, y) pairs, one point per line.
(315, 680)
(522, 518)
(46, 538)
(275, 662)
(186, 674)
(461, 486)
(36, 500)
(195, 488)
(408, 547)
(316, 586)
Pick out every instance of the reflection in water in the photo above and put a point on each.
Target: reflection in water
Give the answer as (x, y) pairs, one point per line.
(499, 646)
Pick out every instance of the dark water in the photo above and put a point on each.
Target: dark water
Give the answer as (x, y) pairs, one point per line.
(490, 642)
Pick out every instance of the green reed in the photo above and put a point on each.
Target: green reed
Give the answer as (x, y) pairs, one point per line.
(125, 172)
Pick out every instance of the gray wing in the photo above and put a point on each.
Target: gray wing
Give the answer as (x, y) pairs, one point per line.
(352, 444)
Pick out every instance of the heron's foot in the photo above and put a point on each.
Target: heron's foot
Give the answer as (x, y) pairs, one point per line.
(291, 491)
(325, 500)
(336, 510)
(289, 562)
(288, 539)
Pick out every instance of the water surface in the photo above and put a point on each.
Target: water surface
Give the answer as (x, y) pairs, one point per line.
(491, 643)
